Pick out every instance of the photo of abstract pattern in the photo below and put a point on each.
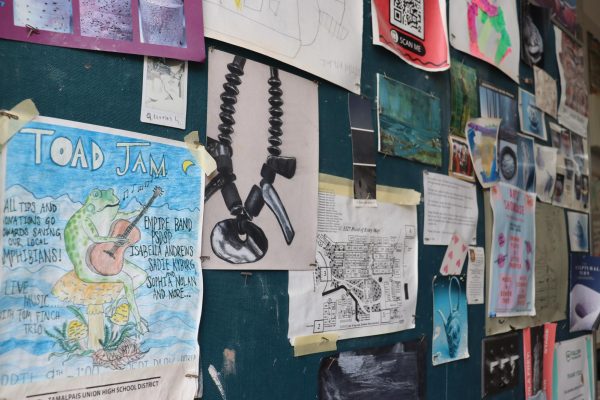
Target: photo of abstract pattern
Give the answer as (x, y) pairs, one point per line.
(106, 19)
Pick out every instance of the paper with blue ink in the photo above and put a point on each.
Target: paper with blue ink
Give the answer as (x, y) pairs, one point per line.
(512, 277)
(584, 292)
(482, 138)
(102, 285)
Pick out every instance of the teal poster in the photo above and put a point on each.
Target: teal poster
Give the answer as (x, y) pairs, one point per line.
(101, 287)
(512, 278)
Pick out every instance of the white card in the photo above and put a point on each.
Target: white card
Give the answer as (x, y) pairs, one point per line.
(455, 256)
(164, 94)
(475, 275)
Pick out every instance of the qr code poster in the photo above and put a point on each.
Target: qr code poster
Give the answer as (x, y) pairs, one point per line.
(408, 16)
(415, 30)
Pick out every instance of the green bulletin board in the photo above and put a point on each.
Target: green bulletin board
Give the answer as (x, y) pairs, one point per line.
(249, 314)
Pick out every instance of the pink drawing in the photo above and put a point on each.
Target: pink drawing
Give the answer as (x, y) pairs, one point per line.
(501, 239)
(451, 255)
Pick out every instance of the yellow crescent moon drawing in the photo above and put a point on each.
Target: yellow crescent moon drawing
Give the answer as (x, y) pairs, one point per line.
(186, 164)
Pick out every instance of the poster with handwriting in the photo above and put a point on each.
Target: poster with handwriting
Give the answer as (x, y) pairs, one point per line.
(512, 284)
(101, 287)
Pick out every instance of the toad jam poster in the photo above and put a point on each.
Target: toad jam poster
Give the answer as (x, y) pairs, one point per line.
(100, 282)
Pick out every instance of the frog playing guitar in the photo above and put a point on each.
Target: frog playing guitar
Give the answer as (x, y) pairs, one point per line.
(100, 259)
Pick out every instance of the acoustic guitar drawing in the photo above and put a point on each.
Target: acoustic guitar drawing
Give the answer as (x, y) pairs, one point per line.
(107, 258)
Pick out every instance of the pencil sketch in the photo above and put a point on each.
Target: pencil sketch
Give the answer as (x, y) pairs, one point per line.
(321, 36)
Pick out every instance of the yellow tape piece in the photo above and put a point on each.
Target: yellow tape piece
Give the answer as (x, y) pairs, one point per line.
(208, 164)
(385, 194)
(304, 345)
(20, 115)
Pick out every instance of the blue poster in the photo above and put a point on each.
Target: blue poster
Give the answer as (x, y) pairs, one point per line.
(450, 340)
(100, 278)
(512, 276)
(585, 292)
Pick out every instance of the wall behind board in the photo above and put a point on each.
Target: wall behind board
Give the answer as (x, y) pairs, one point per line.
(249, 315)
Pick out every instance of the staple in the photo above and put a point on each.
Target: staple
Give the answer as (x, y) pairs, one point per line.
(528, 81)
(324, 339)
(191, 376)
(8, 114)
(422, 338)
(31, 30)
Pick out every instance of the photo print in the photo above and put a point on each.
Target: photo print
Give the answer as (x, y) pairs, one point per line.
(106, 19)
(56, 18)
(158, 28)
(526, 163)
(530, 116)
(500, 363)
(508, 159)
(262, 202)
(409, 122)
(463, 92)
(364, 152)
(534, 24)
(497, 103)
(164, 94)
(460, 166)
(162, 22)
(450, 326)
(382, 373)
(545, 172)
(579, 240)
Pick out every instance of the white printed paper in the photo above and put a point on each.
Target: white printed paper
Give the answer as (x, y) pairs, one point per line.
(450, 206)
(475, 275)
(323, 38)
(573, 374)
(164, 94)
(365, 282)
(545, 172)
(545, 91)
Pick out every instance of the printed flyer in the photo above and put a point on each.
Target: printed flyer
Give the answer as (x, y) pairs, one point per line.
(416, 32)
(512, 278)
(585, 292)
(573, 372)
(538, 354)
(101, 288)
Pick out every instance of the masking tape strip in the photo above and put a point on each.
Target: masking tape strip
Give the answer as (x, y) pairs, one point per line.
(199, 152)
(385, 194)
(318, 343)
(24, 112)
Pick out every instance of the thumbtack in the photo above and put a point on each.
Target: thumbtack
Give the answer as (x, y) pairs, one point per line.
(246, 275)
(528, 81)
(31, 30)
(9, 115)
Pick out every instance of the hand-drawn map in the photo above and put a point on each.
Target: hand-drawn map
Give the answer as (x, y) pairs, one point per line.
(365, 282)
(323, 37)
(101, 288)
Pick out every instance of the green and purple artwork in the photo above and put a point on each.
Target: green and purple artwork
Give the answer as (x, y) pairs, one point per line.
(488, 30)
(409, 122)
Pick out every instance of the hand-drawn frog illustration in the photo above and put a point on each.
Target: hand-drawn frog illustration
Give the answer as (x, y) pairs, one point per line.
(98, 213)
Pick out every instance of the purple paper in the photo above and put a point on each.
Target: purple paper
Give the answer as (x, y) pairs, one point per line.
(161, 28)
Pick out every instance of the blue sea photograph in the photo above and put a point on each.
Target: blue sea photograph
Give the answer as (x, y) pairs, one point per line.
(409, 122)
